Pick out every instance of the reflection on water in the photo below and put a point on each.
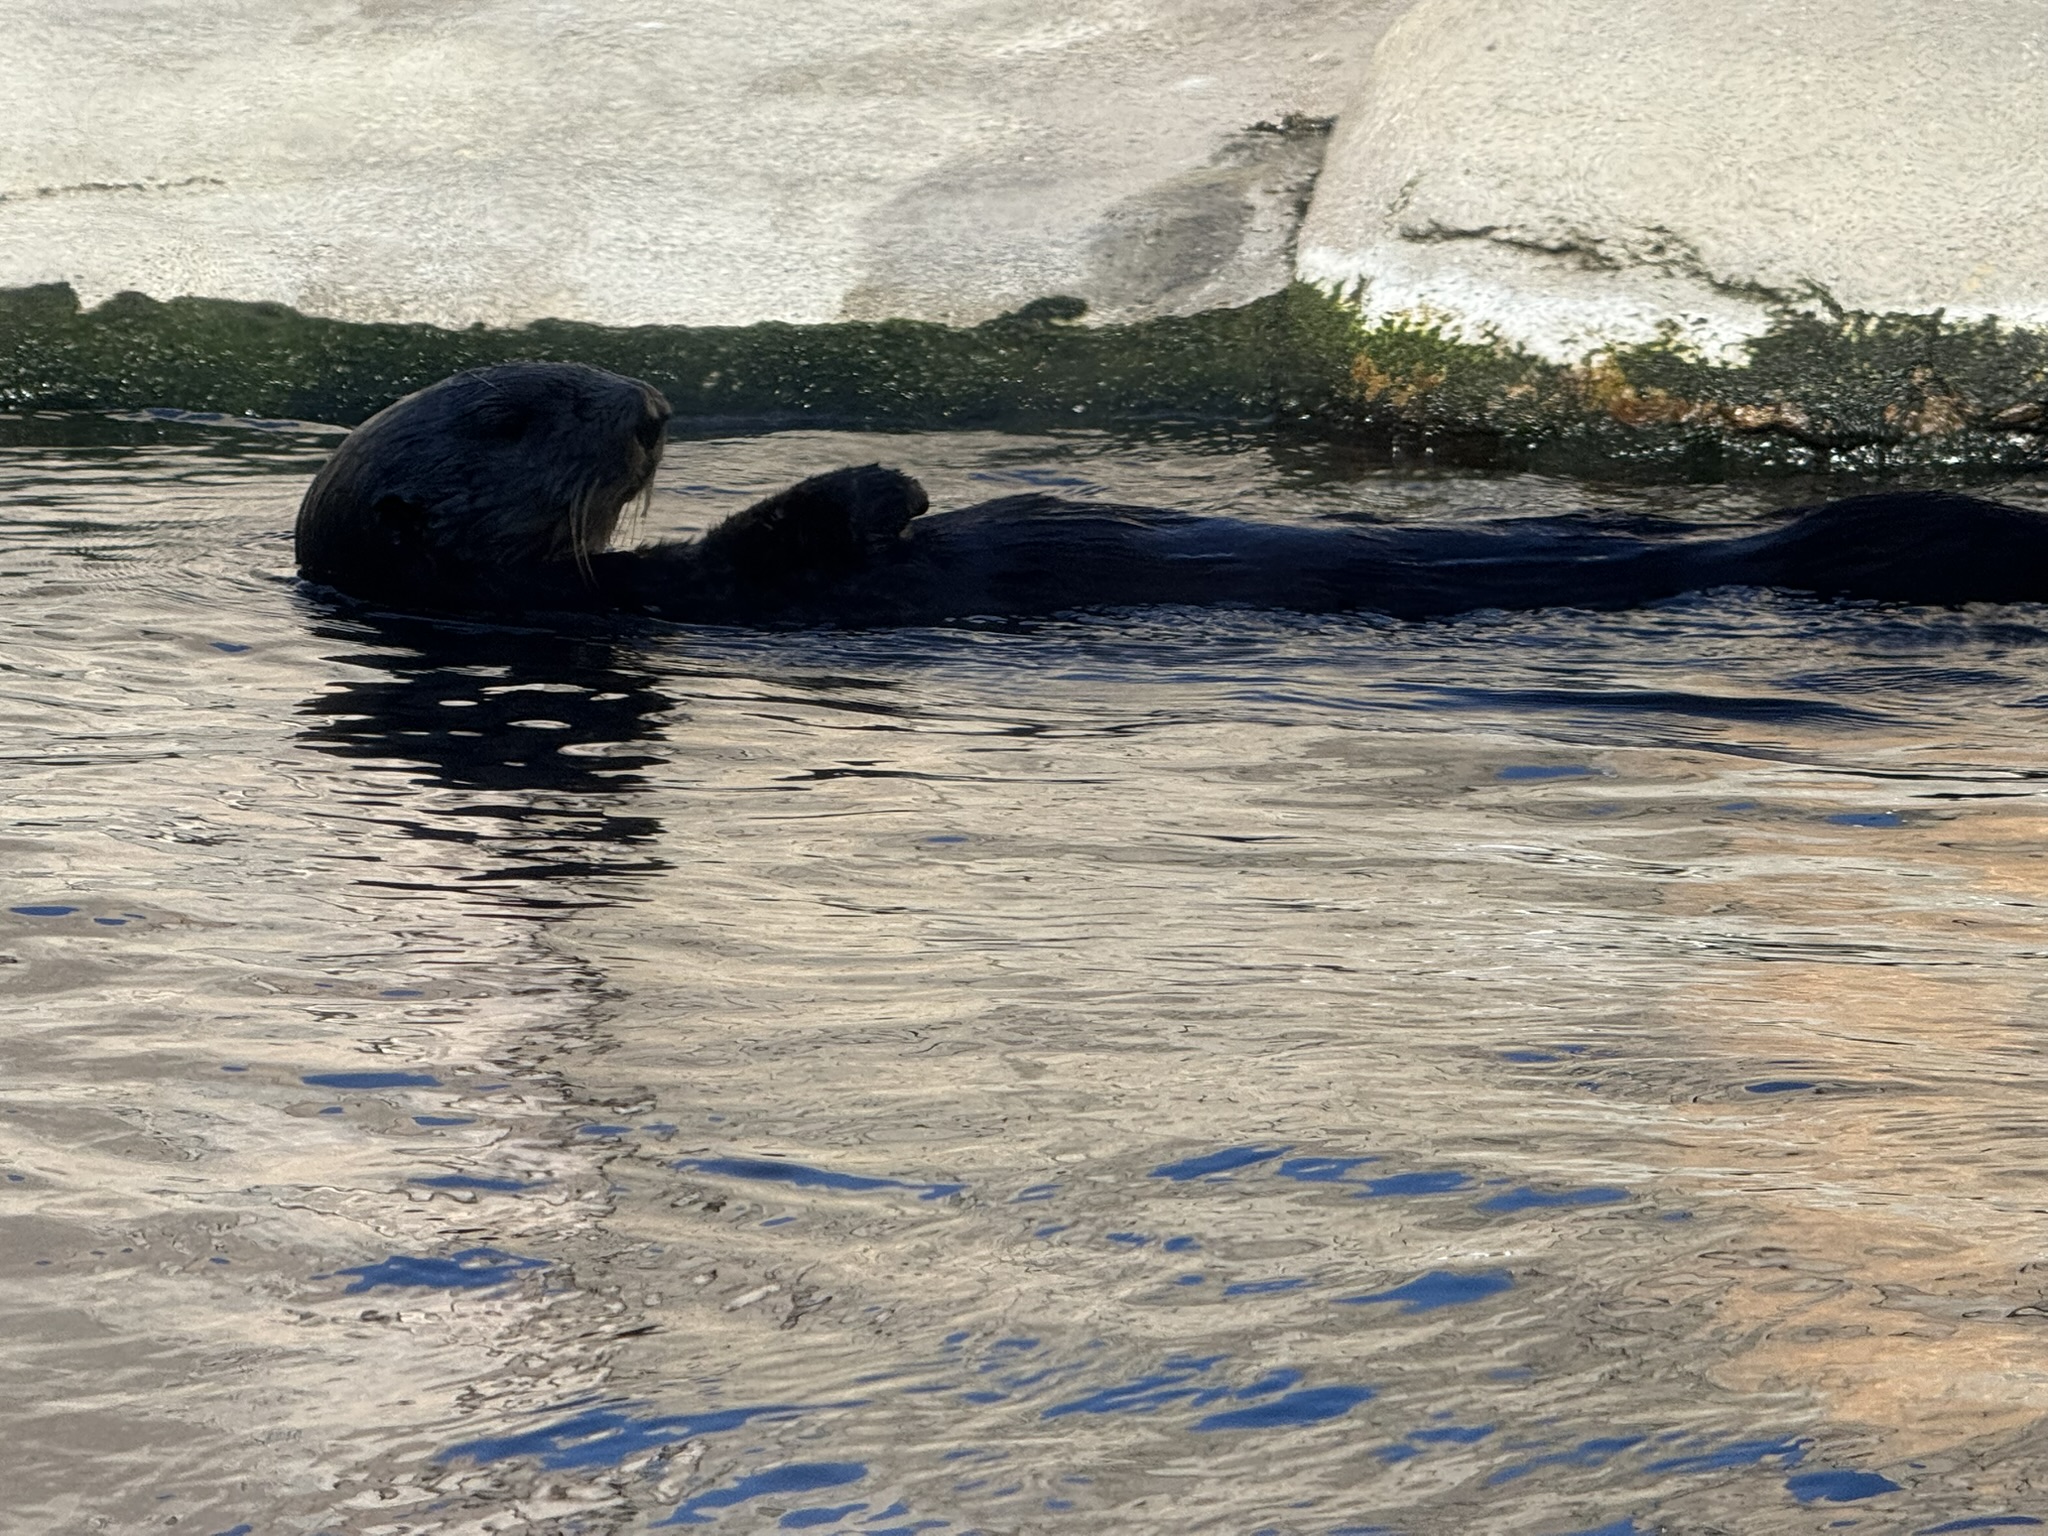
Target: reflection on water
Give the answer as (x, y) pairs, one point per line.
(1524, 1075)
(558, 726)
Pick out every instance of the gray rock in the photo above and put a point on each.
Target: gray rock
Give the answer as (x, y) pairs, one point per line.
(1569, 173)
(636, 161)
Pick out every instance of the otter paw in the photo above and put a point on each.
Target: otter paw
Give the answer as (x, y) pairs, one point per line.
(828, 526)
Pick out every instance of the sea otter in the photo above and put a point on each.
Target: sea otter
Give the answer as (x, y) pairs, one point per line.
(497, 491)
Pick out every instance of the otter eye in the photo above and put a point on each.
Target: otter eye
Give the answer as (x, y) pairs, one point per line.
(502, 419)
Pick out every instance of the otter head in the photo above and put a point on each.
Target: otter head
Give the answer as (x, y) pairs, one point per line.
(484, 483)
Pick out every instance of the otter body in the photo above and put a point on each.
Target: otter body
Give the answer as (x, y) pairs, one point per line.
(495, 492)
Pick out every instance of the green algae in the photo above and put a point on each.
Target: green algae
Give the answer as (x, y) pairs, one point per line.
(1822, 390)
(1827, 392)
(1284, 355)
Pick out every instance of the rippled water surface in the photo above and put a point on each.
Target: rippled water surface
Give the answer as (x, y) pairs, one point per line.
(1149, 1072)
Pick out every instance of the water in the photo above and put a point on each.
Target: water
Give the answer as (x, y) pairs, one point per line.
(1164, 1071)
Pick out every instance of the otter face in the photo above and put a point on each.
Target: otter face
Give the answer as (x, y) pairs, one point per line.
(495, 473)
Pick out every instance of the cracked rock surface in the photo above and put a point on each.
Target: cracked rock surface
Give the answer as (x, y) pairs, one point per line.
(1569, 174)
(638, 163)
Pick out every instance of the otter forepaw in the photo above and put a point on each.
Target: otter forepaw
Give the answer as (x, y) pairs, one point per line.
(828, 526)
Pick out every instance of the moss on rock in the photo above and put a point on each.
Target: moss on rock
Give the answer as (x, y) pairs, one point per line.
(1820, 390)
(1282, 355)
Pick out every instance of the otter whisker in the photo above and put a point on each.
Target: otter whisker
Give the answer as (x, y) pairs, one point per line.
(580, 518)
(634, 514)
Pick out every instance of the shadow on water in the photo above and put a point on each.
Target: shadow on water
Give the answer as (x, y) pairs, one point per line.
(540, 740)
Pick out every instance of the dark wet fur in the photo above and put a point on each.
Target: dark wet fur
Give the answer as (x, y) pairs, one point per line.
(483, 489)
(494, 514)
(1037, 554)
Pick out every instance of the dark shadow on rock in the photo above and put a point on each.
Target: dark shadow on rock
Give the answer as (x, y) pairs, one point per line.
(1214, 237)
